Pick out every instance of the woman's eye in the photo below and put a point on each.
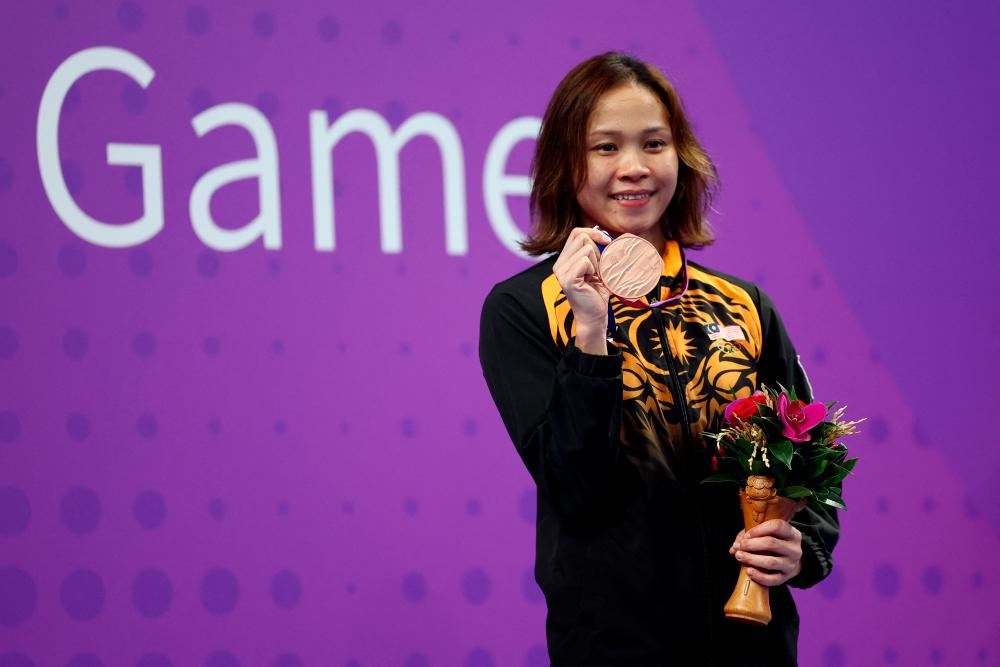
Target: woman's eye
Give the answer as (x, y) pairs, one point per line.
(656, 143)
(605, 148)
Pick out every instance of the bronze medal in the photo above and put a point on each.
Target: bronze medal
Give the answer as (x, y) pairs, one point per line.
(630, 267)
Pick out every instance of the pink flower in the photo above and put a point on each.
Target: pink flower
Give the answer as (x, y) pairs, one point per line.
(742, 409)
(798, 417)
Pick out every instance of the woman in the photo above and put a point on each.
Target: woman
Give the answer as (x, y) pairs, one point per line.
(635, 557)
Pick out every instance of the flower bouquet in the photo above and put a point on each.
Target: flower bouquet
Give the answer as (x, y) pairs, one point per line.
(784, 454)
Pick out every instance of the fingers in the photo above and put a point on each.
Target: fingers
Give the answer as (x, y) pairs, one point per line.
(736, 543)
(776, 527)
(782, 564)
(770, 545)
(766, 578)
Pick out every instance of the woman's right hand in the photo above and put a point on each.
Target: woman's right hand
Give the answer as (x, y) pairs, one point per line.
(576, 271)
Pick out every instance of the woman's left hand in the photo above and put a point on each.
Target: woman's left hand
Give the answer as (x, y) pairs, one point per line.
(771, 552)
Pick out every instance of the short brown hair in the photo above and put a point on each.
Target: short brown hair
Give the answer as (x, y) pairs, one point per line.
(559, 167)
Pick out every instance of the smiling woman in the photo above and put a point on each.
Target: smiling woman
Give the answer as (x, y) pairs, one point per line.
(635, 557)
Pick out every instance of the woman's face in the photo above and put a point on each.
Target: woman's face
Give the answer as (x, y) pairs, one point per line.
(631, 164)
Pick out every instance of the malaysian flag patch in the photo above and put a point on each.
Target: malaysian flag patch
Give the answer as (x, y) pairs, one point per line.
(730, 333)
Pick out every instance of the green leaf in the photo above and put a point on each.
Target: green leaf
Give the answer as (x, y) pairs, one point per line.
(796, 492)
(834, 502)
(782, 450)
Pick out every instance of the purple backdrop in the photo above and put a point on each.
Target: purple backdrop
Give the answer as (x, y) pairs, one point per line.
(277, 449)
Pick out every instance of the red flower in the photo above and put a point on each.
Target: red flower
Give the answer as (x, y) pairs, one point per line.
(798, 418)
(742, 409)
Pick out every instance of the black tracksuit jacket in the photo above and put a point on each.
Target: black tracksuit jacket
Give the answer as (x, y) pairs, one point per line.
(632, 553)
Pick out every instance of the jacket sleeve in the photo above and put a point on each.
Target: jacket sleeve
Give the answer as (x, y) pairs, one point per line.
(561, 409)
(779, 363)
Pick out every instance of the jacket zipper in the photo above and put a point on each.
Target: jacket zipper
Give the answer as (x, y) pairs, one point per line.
(681, 401)
(679, 397)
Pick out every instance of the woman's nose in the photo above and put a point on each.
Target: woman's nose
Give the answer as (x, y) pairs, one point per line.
(632, 165)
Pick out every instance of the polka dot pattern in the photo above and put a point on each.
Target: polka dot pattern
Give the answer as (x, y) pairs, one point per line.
(82, 594)
(220, 591)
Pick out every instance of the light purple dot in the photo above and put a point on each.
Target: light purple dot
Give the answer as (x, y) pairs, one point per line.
(465, 349)
(404, 348)
(8, 260)
(15, 511)
(833, 585)
(287, 660)
(140, 261)
(395, 112)
(80, 510)
(269, 105)
(133, 182)
(214, 426)
(476, 586)
(78, 427)
(19, 598)
(82, 594)
(574, 43)
(10, 427)
(928, 504)
(347, 507)
(211, 346)
(882, 505)
(199, 100)
(152, 593)
(473, 507)
(478, 657)
(208, 264)
(130, 16)
(15, 660)
(537, 656)
(75, 344)
(277, 346)
(349, 588)
(936, 655)
(470, 428)
(407, 427)
(283, 508)
(329, 29)
(219, 591)
(197, 20)
(530, 589)
(983, 655)
(414, 587)
(815, 280)
(72, 260)
(222, 659)
(84, 660)
(264, 24)
(392, 32)
(819, 355)
(147, 427)
(886, 580)
(889, 655)
(527, 505)
(144, 344)
(6, 175)
(149, 509)
(217, 509)
(333, 107)
(133, 98)
(977, 579)
(74, 177)
(416, 660)
(878, 429)
(280, 426)
(833, 655)
(72, 101)
(8, 343)
(454, 36)
(932, 579)
(411, 506)
(154, 660)
(274, 265)
(286, 589)
(513, 39)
